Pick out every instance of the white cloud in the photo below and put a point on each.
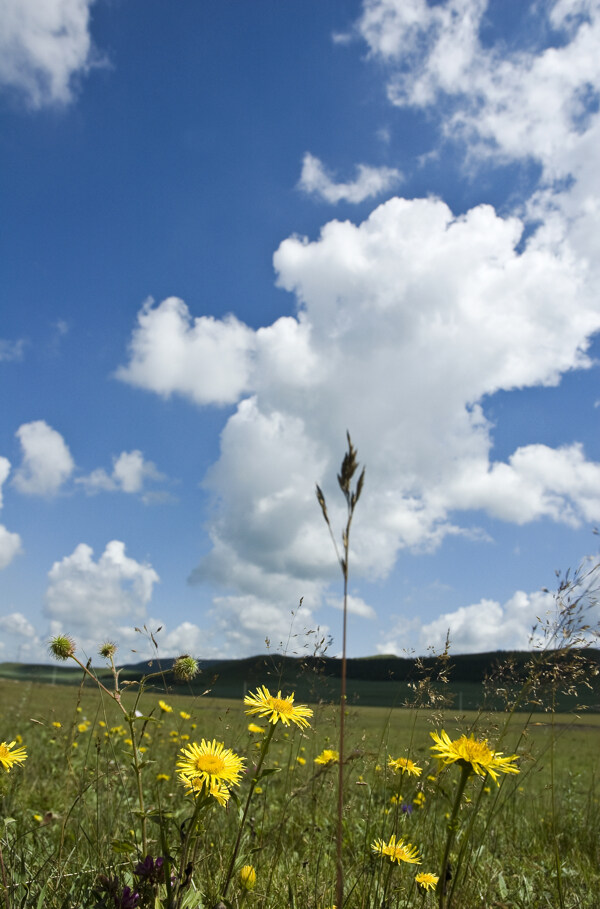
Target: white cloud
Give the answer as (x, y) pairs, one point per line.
(129, 474)
(92, 600)
(47, 461)
(482, 627)
(206, 360)
(11, 351)
(405, 323)
(10, 543)
(10, 546)
(16, 623)
(356, 606)
(369, 182)
(44, 46)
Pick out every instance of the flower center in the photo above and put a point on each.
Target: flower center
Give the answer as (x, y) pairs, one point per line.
(282, 706)
(477, 752)
(209, 763)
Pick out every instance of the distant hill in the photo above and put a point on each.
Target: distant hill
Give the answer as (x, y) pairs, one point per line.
(371, 681)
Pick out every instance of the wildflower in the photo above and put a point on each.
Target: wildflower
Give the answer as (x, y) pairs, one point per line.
(301, 760)
(404, 765)
(163, 777)
(397, 850)
(258, 730)
(427, 881)
(129, 899)
(184, 715)
(258, 790)
(473, 754)
(248, 877)
(419, 799)
(8, 757)
(328, 756)
(150, 870)
(277, 708)
(210, 762)
(57, 725)
(62, 647)
(83, 727)
(197, 786)
(185, 668)
(108, 650)
(38, 818)
(166, 708)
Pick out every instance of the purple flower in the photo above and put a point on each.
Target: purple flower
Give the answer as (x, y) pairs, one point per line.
(407, 809)
(128, 900)
(150, 870)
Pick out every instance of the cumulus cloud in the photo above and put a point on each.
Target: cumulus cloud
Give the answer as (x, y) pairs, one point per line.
(15, 623)
(205, 359)
(45, 45)
(93, 600)
(481, 627)
(10, 543)
(46, 462)
(129, 474)
(406, 324)
(407, 321)
(369, 182)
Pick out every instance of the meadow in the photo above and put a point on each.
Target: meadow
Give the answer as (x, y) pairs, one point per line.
(83, 812)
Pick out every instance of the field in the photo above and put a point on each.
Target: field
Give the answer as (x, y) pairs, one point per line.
(86, 807)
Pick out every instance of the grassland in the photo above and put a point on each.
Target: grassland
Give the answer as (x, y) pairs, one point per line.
(71, 812)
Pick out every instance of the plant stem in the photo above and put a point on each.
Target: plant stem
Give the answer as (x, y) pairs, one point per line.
(253, 783)
(442, 883)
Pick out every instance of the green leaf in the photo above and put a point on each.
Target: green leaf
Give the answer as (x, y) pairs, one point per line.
(123, 847)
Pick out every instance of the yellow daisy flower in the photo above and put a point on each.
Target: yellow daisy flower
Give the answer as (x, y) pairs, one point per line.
(163, 777)
(469, 752)
(219, 791)
(257, 730)
(184, 715)
(166, 708)
(211, 763)
(277, 708)
(427, 881)
(328, 756)
(404, 765)
(8, 757)
(397, 850)
(248, 877)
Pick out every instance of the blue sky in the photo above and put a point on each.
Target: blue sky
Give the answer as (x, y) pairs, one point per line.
(233, 230)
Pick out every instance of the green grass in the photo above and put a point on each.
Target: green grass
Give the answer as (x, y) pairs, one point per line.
(70, 812)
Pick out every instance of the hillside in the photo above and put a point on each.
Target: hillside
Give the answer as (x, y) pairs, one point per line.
(381, 680)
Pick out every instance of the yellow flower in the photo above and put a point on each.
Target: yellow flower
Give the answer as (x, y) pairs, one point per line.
(184, 715)
(258, 790)
(404, 765)
(83, 727)
(8, 757)
(258, 730)
(301, 760)
(198, 786)
(166, 708)
(419, 799)
(248, 877)
(57, 725)
(427, 881)
(471, 753)
(397, 850)
(277, 708)
(210, 763)
(328, 756)
(163, 777)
